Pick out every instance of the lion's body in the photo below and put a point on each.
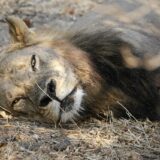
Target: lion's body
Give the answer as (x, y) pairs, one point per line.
(123, 88)
(87, 73)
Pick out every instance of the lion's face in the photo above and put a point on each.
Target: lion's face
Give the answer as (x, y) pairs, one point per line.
(35, 79)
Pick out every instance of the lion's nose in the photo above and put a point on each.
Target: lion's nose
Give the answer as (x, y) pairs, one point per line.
(51, 88)
(67, 103)
(50, 94)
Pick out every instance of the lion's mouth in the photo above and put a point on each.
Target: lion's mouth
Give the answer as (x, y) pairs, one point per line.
(65, 104)
(67, 109)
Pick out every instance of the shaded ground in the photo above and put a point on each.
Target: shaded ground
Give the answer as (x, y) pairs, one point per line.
(93, 139)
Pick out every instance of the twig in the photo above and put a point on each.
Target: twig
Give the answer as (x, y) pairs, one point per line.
(4, 109)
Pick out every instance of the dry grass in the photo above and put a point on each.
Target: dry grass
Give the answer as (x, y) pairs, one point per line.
(93, 139)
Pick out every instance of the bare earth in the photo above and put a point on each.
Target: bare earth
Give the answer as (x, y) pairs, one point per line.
(21, 139)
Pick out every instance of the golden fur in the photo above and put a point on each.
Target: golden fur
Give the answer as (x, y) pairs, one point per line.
(61, 77)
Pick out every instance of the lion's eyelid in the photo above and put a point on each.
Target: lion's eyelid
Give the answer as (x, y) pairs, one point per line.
(17, 99)
(34, 63)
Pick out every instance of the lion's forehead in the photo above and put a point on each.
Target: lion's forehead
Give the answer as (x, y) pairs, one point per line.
(27, 51)
(20, 59)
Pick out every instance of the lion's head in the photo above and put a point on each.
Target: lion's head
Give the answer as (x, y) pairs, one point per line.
(36, 77)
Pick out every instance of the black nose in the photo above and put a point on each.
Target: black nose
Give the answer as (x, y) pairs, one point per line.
(67, 103)
(51, 94)
(51, 88)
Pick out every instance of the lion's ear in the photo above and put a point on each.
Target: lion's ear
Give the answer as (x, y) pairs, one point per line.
(19, 31)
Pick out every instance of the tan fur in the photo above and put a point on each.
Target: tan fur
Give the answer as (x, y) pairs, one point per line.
(18, 85)
(58, 59)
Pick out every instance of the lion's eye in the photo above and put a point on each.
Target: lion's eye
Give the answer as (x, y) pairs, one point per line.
(16, 100)
(33, 62)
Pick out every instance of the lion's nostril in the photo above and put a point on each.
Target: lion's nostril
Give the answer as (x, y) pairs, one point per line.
(44, 101)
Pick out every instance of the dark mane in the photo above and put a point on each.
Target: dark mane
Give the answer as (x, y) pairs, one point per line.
(104, 50)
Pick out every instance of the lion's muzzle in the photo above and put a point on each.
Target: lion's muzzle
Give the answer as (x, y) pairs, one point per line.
(50, 95)
(65, 104)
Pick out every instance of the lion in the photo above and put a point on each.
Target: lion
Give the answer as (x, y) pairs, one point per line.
(69, 77)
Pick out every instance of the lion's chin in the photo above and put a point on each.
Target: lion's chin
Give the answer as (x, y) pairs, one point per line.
(71, 113)
(55, 113)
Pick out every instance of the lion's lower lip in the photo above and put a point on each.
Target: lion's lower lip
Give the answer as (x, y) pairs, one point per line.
(68, 101)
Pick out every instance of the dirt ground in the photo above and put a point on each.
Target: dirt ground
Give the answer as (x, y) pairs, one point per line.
(21, 139)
